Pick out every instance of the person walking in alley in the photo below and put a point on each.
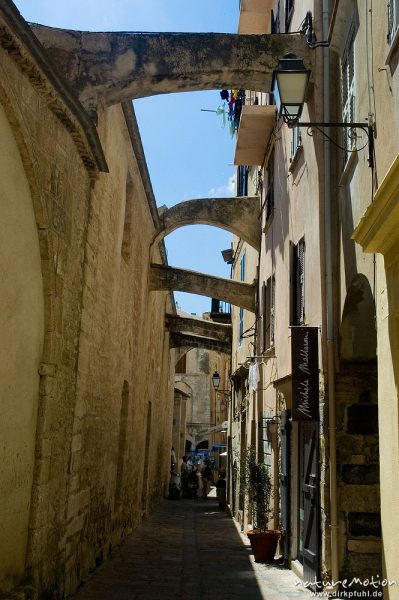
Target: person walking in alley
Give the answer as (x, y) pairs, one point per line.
(206, 479)
(172, 459)
(221, 490)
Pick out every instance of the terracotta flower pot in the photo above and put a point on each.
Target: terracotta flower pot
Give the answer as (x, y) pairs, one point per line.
(264, 544)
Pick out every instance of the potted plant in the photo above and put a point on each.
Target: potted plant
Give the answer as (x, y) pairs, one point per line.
(257, 486)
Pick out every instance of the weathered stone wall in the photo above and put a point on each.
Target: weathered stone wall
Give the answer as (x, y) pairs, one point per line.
(21, 326)
(358, 471)
(105, 398)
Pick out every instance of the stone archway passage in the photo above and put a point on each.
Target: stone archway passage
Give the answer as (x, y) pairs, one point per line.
(123, 66)
(240, 215)
(234, 292)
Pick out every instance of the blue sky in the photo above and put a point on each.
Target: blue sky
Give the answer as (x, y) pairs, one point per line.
(189, 154)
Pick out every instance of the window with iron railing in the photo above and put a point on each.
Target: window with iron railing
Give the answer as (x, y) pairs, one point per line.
(220, 306)
(393, 19)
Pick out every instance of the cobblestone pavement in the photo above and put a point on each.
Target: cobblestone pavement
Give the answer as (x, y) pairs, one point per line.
(188, 550)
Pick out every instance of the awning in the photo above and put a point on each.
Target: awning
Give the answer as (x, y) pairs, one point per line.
(255, 16)
(256, 126)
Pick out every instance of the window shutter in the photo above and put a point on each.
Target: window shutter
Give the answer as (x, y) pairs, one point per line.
(267, 314)
(301, 282)
(270, 187)
(263, 328)
(293, 284)
(272, 309)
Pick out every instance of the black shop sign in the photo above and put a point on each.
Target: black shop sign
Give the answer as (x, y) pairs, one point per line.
(305, 373)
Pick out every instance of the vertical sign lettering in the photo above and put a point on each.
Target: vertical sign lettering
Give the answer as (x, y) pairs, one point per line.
(305, 373)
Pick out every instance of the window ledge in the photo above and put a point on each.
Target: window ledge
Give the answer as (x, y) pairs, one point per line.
(268, 223)
(393, 47)
(295, 158)
(270, 352)
(349, 168)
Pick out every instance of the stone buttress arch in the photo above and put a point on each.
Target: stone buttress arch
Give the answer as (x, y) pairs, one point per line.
(121, 66)
(239, 215)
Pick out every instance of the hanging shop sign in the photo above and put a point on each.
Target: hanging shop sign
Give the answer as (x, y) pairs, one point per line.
(305, 373)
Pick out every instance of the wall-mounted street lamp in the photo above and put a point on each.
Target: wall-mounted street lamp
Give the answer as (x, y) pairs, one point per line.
(216, 380)
(289, 84)
(216, 383)
(290, 80)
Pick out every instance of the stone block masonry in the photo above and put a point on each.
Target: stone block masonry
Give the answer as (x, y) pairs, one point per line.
(94, 335)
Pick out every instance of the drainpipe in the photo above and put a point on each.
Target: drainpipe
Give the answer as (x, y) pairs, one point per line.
(329, 306)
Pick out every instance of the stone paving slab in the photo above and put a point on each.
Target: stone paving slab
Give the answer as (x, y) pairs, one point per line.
(188, 550)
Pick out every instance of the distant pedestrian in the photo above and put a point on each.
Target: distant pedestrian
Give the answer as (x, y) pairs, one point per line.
(221, 490)
(206, 479)
(172, 459)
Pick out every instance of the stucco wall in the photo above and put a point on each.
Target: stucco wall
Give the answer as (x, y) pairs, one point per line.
(21, 327)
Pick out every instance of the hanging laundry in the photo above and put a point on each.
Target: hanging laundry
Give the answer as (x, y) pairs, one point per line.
(224, 94)
(221, 110)
(232, 100)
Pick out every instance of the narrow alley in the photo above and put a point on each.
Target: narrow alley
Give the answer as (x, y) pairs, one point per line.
(191, 550)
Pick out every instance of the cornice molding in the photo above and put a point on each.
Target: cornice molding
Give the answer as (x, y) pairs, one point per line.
(378, 229)
(24, 48)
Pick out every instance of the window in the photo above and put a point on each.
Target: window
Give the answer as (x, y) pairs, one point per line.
(298, 283)
(348, 92)
(242, 181)
(393, 19)
(269, 203)
(242, 268)
(268, 316)
(276, 20)
(241, 311)
(240, 325)
(289, 9)
(296, 141)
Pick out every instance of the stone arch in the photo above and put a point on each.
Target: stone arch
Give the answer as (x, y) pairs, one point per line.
(239, 215)
(121, 66)
(25, 319)
(358, 336)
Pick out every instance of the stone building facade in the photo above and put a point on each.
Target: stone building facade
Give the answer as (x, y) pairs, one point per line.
(87, 371)
(329, 207)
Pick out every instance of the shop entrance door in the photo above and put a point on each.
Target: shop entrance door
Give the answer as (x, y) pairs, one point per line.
(309, 500)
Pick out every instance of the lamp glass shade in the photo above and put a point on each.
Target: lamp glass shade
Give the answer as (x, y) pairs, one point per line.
(216, 380)
(290, 80)
(292, 87)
